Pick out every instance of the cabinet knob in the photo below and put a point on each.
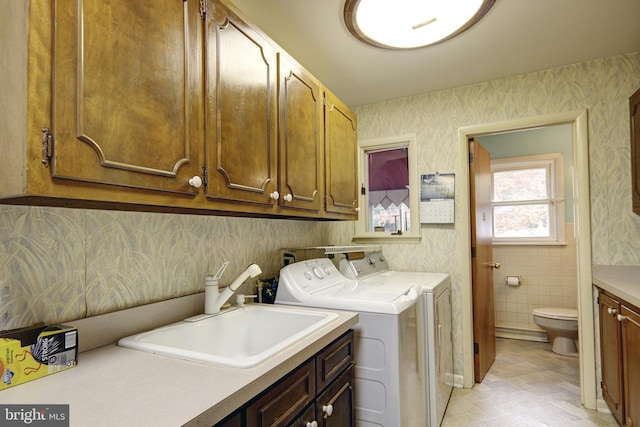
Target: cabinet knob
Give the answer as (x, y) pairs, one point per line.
(328, 410)
(311, 424)
(275, 195)
(356, 209)
(195, 182)
(612, 311)
(621, 318)
(288, 198)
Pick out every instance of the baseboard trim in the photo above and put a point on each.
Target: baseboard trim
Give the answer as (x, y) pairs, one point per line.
(521, 334)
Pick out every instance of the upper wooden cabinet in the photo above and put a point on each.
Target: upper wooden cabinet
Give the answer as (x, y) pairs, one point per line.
(182, 106)
(341, 145)
(301, 124)
(242, 133)
(634, 110)
(127, 93)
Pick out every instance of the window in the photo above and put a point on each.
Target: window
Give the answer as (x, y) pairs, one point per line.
(389, 189)
(527, 200)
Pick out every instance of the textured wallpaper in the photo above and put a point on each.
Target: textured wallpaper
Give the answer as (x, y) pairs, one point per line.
(601, 87)
(64, 264)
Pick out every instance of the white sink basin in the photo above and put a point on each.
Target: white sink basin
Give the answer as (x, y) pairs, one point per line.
(240, 338)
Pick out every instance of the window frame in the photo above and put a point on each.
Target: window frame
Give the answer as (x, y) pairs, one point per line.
(553, 163)
(361, 233)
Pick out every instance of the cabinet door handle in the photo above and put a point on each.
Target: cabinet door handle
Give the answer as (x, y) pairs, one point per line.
(328, 410)
(288, 198)
(275, 195)
(621, 318)
(612, 311)
(195, 182)
(311, 424)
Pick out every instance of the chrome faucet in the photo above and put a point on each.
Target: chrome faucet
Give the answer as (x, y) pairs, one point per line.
(214, 299)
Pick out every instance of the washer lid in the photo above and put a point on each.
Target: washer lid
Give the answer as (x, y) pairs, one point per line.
(556, 313)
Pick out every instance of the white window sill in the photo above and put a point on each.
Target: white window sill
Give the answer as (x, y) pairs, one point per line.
(529, 243)
(386, 237)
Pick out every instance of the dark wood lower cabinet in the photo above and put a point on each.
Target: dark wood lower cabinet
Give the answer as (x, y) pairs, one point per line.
(620, 358)
(319, 393)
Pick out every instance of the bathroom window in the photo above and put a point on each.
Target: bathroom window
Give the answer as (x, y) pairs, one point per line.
(388, 189)
(527, 200)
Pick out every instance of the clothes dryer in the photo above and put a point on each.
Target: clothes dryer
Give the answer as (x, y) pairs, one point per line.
(434, 323)
(388, 370)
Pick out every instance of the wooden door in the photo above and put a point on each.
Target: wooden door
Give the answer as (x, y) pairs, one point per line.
(127, 93)
(341, 150)
(631, 357)
(300, 137)
(484, 340)
(610, 355)
(634, 111)
(241, 115)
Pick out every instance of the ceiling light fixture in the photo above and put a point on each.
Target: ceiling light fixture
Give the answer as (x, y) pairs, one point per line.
(408, 24)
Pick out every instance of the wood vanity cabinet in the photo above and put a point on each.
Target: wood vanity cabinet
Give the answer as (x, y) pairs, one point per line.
(634, 111)
(180, 106)
(620, 357)
(321, 390)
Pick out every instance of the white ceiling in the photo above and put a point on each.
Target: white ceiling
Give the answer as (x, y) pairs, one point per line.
(515, 37)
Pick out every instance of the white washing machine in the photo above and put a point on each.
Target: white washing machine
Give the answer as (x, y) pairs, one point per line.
(434, 322)
(388, 370)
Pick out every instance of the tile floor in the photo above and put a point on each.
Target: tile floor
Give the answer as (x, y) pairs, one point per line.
(527, 386)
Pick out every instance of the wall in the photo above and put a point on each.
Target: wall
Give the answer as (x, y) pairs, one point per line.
(63, 264)
(602, 87)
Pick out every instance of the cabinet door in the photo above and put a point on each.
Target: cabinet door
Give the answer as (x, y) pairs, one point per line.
(611, 357)
(335, 407)
(631, 358)
(341, 147)
(634, 109)
(300, 137)
(127, 93)
(241, 71)
(280, 405)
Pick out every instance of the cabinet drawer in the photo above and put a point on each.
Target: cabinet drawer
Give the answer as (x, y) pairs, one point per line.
(335, 406)
(281, 404)
(334, 359)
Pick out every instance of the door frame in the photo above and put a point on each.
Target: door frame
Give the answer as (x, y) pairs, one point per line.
(582, 229)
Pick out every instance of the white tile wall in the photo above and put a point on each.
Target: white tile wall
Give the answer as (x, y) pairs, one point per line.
(548, 279)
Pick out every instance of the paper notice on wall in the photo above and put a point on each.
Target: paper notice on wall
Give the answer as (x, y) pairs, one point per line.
(437, 193)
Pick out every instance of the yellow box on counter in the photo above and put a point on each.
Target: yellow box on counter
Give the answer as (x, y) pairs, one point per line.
(31, 353)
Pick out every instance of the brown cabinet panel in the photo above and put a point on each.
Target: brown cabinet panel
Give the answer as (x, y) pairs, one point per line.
(335, 406)
(241, 110)
(334, 359)
(127, 93)
(341, 148)
(301, 130)
(280, 405)
(634, 110)
(611, 355)
(631, 359)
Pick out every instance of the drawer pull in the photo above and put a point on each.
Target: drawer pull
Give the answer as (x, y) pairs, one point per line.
(312, 424)
(328, 410)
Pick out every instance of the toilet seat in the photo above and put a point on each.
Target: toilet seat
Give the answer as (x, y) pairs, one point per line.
(557, 313)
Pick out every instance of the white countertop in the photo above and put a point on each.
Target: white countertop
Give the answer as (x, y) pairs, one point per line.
(622, 281)
(113, 385)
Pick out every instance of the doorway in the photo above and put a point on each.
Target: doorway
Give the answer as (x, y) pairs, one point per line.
(582, 230)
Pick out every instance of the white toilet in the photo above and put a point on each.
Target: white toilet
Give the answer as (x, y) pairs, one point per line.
(563, 322)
